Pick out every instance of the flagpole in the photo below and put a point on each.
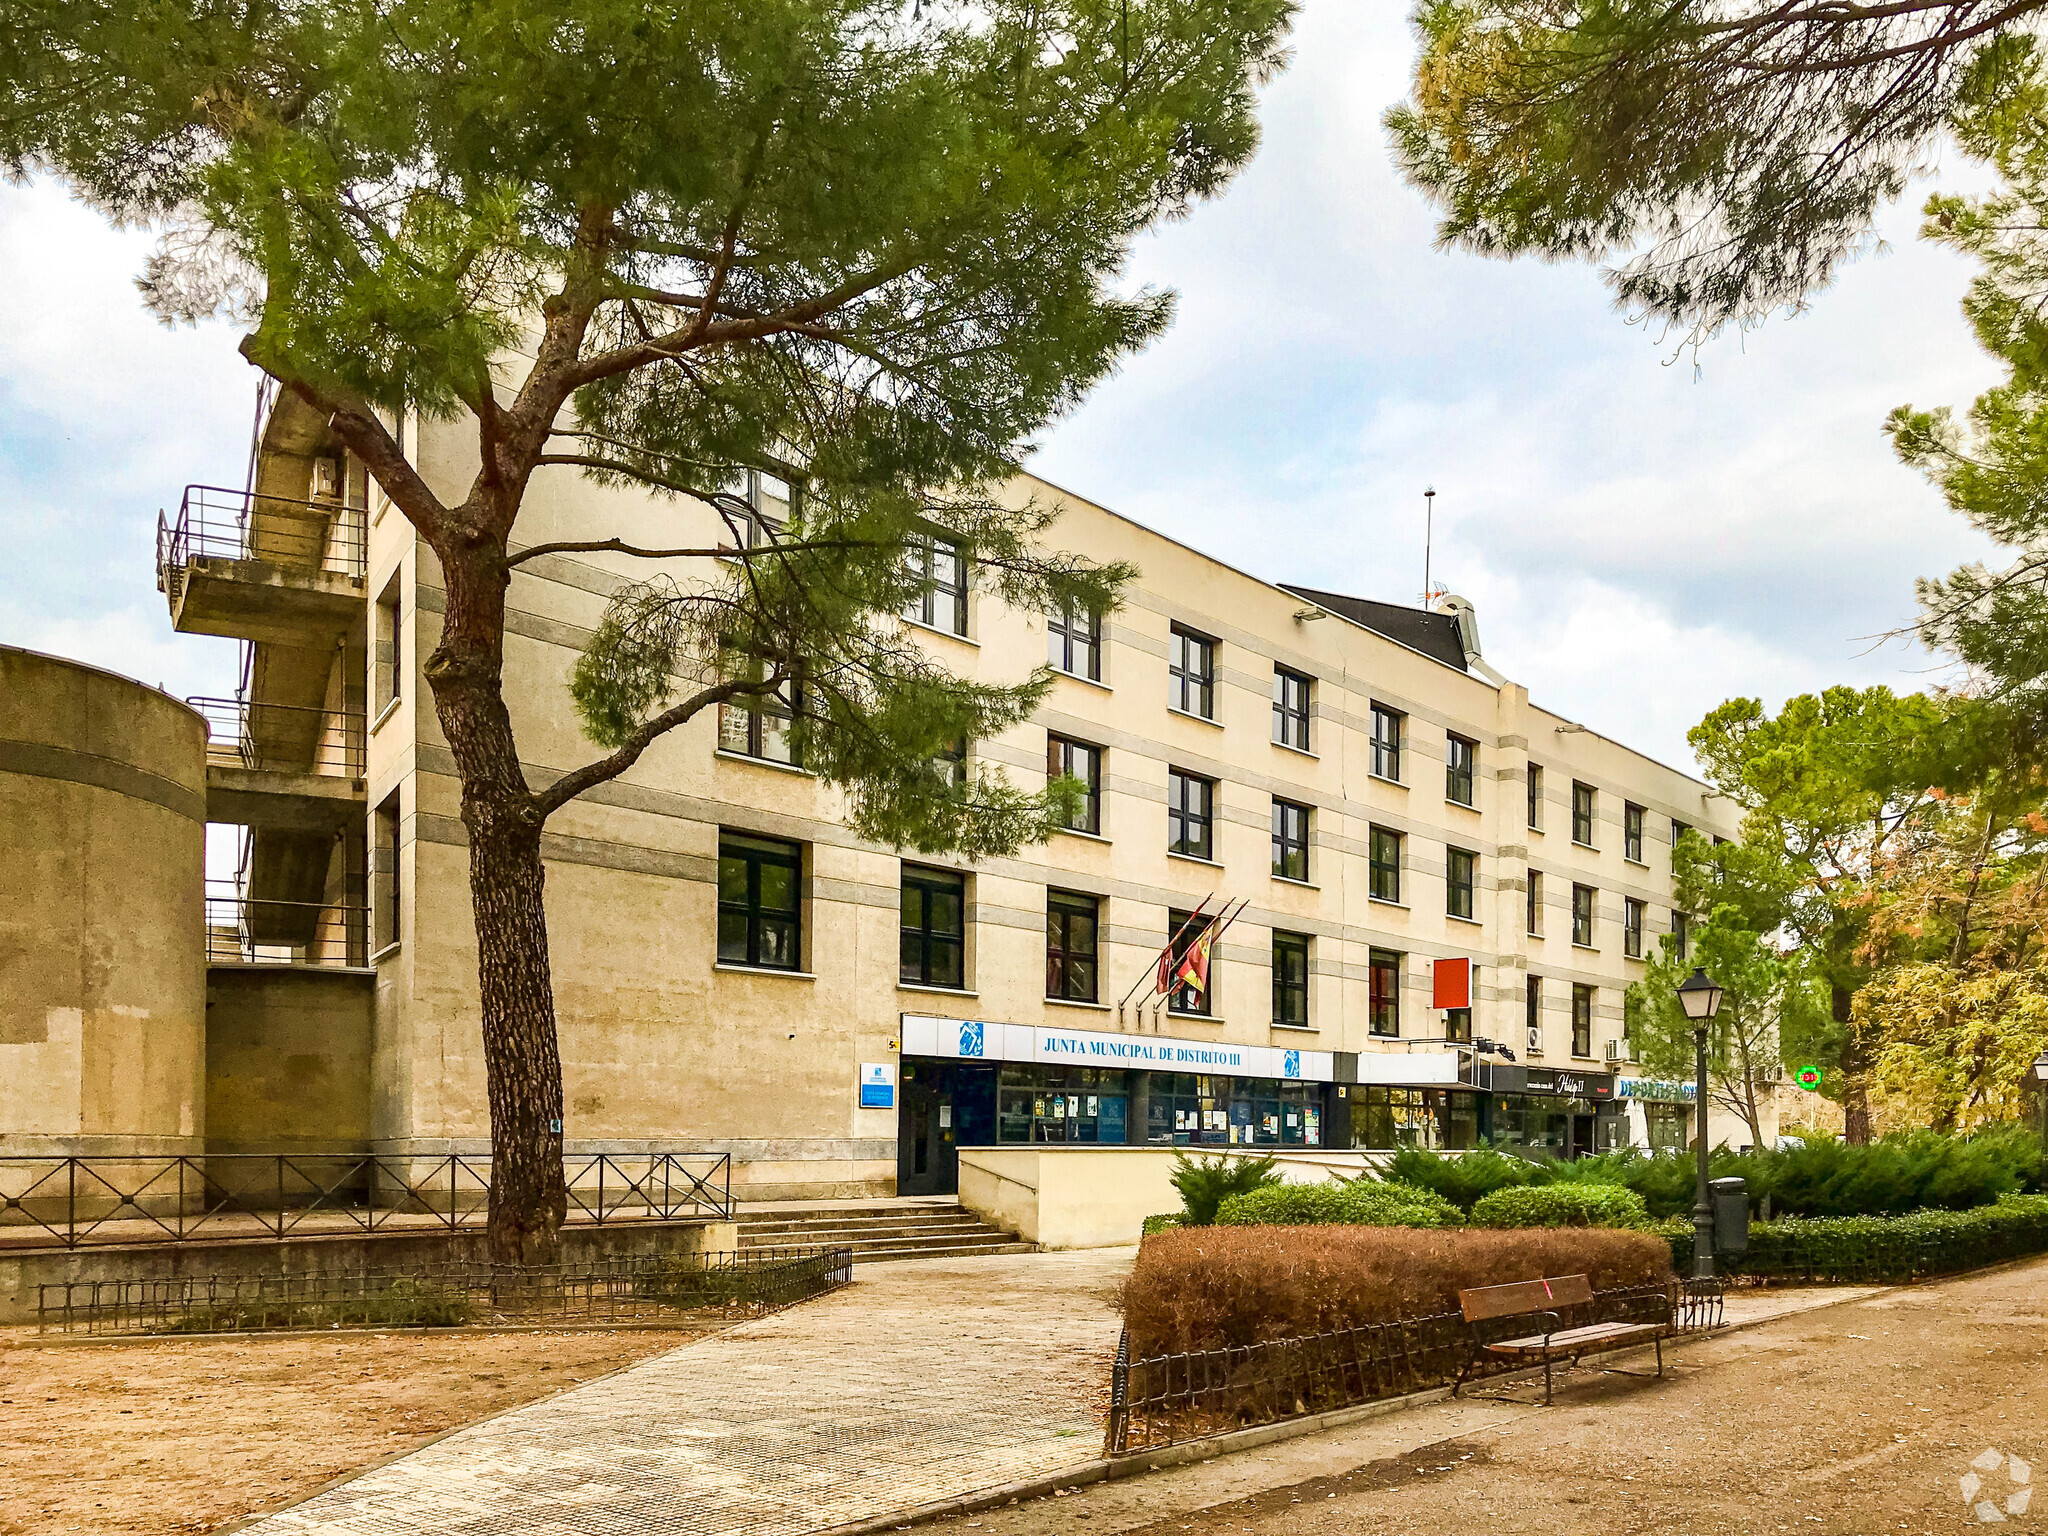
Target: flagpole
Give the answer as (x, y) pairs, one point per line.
(1152, 966)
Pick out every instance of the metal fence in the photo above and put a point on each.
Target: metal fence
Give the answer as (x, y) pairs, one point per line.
(245, 930)
(1159, 1400)
(79, 1202)
(282, 738)
(215, 523)
(646, 1289)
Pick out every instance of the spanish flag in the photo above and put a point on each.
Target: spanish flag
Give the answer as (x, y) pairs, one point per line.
(1194, 964)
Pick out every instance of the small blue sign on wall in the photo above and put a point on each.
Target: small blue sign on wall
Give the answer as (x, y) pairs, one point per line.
(877, 1085)
(973, 1038)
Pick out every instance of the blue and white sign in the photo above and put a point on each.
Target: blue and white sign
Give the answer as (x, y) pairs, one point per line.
(877, 1085)
(988, 1040)
(973, 1038)
(1290, 1064)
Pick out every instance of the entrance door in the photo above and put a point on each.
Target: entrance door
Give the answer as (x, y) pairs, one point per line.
(927, 1160)
(1582, 1135)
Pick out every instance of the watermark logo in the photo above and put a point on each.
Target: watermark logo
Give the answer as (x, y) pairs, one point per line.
(973, 1042)
(1990, 1472)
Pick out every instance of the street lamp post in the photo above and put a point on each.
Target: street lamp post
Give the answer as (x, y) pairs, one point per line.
(1701, 1000)
(2041, 1093)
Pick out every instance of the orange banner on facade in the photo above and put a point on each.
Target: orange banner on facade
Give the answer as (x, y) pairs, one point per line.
(1453, 984)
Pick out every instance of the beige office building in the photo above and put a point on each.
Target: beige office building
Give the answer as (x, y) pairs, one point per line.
(736, 973)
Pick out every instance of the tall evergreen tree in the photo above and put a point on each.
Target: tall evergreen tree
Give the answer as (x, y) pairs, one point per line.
(866, 246)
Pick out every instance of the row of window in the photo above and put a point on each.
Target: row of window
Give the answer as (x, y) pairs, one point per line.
(760, 922)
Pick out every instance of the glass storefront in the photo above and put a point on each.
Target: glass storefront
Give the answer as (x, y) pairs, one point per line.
(1108, 1106)
(1434, 1119)
(1454, 1120)
(1063, 1104)
(1667, 1127)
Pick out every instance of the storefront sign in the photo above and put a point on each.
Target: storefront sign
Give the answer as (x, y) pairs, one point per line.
(877, 1085)
(1563, 1082)
(1649, 1089)
(986, 1040)
(1451, 983)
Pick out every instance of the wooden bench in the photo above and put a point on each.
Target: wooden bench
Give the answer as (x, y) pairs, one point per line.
(1494, 1312)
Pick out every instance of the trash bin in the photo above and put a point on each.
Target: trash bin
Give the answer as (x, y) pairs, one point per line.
(1730, 1200)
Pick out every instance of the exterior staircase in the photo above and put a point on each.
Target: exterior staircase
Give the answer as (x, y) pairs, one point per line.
(912, 1227)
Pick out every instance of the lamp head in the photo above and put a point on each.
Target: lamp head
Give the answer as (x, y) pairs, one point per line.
(1699, 996)
(2041, 1067)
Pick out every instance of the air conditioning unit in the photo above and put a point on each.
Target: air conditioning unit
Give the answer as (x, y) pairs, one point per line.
(1616, 1051)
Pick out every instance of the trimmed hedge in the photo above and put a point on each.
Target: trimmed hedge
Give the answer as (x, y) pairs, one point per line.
(1204, 1183)
(1206, 1287)
(1887, 1250)
(1164, 1222)
(1561, 1205)
(1355, 1203)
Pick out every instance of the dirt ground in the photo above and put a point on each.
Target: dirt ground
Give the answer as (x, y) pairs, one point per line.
(1858, 1419)
(187, 1435)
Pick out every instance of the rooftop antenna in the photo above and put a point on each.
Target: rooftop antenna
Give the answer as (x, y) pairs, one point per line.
(1428, 538)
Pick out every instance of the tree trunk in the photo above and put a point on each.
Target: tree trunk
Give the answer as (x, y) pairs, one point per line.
(522, 1061)
(1855, 1091)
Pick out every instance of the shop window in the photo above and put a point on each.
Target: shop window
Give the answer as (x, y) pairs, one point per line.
(1190, 814)
(1385, 856)
(1290, 979)
(1632, 833)
(1666, 1126)
(760, 908)
(934, 928)
(1582, 914)
(1087, 1105)
(1461, 760)
(1191, 673)
(1073, 643)
(1187, 936)
(1386, 742)
(1383, 971)
(1461, 875)
(1582, 1020)
(1433, 1119)
(1188, 1110)
(1632, 927)
(1458, 1025)
(1291, 693)
(1070, 939)
(1290, 840)
(1582, 814)
(941, 571)
(1077, 760)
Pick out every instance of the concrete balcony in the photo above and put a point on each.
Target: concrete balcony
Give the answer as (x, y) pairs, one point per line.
(242, 929)
(283, 768)
(262, 568)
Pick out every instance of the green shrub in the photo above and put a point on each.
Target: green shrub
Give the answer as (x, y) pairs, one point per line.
(1464, 1177)
(1879, 1249)
(1164, 1223)
(1561, 1205)
(1205, 1183)
(1355, 1203)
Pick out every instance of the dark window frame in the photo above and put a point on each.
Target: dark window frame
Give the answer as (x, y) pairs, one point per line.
(1633, 915)
(1632, 832)
(1291, 823)
(1061, 753)
(1461, 882)
(1182, 930)
(1585, 913)
(757, 713)
(1070, 633)
(1388, 727)
(1461, 770)
(1384, 873)
(1535, 778)
(1532, 1016)
(1383, 993)
(929, 939)
(1289, 986)
(1582, 1020)
(925, 606)
(755, 854)
(1063, 954)
(1184, 816)
(1293, 703)
(1585, 813)
(1191, 672)
(1532, 923)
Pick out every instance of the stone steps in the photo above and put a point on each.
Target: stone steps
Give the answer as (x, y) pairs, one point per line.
(876, 1230)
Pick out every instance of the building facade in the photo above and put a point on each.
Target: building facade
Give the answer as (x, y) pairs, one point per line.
(1437, 892)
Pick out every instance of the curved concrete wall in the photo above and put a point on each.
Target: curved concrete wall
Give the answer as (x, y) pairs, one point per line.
(102, 916)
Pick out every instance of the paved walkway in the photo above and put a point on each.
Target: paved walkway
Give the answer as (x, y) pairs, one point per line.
(920, 1381)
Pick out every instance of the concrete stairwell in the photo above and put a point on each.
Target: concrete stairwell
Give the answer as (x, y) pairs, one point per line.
(907, 1227)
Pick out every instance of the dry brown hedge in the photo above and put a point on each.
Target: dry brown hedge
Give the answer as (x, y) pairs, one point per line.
(1205, 1287)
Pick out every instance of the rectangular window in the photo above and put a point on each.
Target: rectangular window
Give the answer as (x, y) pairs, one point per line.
(1077, 760)
(759, 729)
(1582, 814)
(1290, 978)
(1582, 915)
(1632, 832)
(1191, 673)
(1190, 814)
(1461, 868)
(1535, 798)
(1183, 931)
(1461, 757)
(1681, 934)
(1386, 742)
(1386, 865)
(760, 908)
(934, 928)
(1533, 1016)
(1290, 840)
(384, 874)
(1458, 1025)
(1582, 1020)
(1631, 927)
(768, 501)
(1290, 708)
(1073, 643)
(1535, 922)
(1070, 935)
(954, 762)
(1678, 831)
(387, 681)
(1383, 971)
(941, 570)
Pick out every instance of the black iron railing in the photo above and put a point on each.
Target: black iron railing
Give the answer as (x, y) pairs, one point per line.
(78, 1202)
(214, 523)
(282, 738)
(1159, 1400)
(641, 1289)
(246, 930)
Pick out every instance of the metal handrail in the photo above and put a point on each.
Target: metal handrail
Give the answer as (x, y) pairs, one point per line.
(246, 930)
(288, 738)
(215, 523)
(77, 1202)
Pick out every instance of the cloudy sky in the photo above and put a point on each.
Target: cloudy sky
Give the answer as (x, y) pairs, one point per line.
(1644, 536)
